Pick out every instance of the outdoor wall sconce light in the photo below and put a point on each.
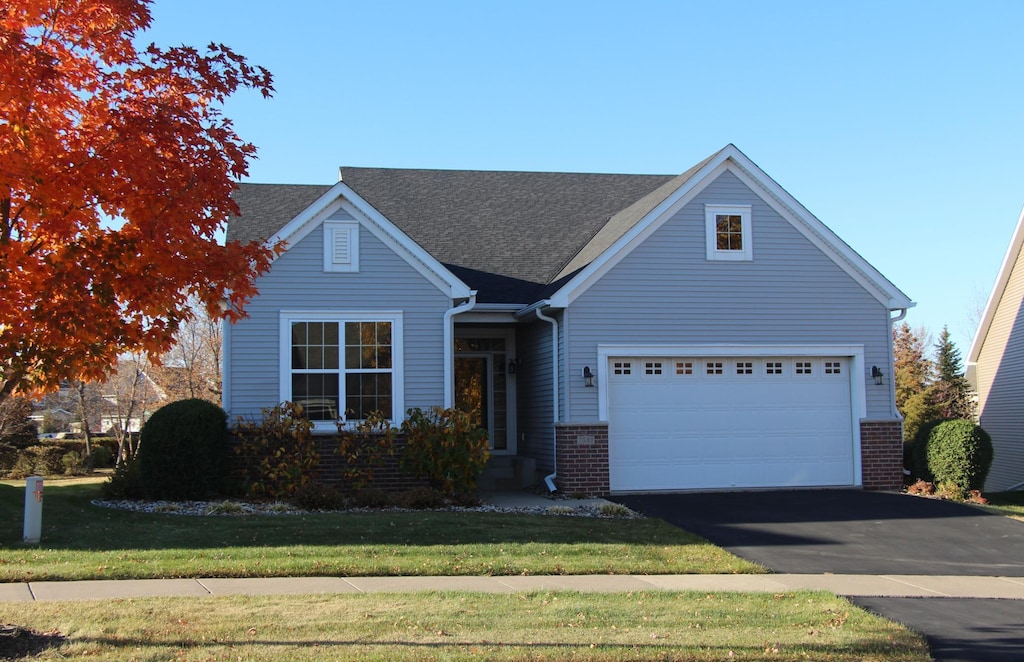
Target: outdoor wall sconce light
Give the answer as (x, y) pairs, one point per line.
(588, 377)
(513, 365)
(877, 374)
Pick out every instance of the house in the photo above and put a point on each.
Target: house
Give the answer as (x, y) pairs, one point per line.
(621, 332)
(994, 369)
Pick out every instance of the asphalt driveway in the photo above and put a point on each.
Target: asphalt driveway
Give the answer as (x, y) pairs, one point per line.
(856, 532)
(846, 531)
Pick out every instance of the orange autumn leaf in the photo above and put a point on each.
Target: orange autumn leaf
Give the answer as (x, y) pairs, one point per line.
(116, 173)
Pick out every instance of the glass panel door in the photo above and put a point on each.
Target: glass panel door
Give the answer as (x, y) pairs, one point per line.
(473, 390)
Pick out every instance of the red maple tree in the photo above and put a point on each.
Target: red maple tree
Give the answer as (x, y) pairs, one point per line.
(116, 173)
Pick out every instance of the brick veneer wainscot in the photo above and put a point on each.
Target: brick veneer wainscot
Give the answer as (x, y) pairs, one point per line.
(582, 458)
(881, 454)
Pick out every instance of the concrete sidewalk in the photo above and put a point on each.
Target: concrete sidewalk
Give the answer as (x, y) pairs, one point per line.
(914, 586)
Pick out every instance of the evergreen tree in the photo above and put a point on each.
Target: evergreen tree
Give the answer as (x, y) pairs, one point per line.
(952, 392)
(914, 379)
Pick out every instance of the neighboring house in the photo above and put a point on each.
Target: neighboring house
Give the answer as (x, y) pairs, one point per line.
(624, 332)
(130, 396)
(995, 369)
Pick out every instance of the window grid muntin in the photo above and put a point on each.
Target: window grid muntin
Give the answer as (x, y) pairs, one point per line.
(744, 368)
(623, 368)
(728, 232)
(684, 367)
(316, 373)
(833, 367)
(804, 368)
(713, 368)
(652, 368)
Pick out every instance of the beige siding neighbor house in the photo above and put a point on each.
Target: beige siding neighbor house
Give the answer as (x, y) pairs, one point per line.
(995, 368)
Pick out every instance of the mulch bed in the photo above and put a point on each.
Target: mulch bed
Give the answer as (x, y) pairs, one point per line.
(18, 642)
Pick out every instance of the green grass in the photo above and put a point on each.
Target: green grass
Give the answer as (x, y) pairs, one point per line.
(83, 541)
(1008, 503)
(460, 626)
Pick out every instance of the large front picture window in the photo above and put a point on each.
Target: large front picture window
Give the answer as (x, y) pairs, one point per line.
(340, 368)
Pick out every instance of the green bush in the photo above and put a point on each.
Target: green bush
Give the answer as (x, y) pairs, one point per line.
(319, 496)
(919, 450)
(278, 453)
(102, 457)
(957, 455)
(445, 448)
(372, 497)
(125, 483)
(420, 498)
(72, 463)
(183, 450)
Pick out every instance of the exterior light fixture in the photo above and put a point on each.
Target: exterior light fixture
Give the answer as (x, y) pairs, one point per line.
(588, 377)
(513, 365)
(877, 374)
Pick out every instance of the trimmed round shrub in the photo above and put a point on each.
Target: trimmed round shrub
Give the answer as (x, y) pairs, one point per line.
(183, 450)
(957, 454)
(919, 450)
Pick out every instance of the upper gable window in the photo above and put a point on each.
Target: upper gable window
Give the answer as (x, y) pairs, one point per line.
(341, 246)
(728, 232)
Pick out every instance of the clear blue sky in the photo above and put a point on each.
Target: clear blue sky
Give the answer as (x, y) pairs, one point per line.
(898, 124)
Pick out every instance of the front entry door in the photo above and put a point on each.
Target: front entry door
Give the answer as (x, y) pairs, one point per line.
(473, 391)
(482, 385)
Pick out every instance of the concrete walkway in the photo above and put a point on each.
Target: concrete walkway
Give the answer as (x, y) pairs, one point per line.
(903, 586)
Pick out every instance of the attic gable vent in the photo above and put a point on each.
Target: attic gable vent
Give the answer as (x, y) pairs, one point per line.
(341, 246)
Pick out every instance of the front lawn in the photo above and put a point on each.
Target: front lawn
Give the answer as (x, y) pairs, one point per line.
(458, 626)
(83, 541)
(1008, 503)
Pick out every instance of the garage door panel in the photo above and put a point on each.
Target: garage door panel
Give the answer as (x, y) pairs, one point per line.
(702, 431)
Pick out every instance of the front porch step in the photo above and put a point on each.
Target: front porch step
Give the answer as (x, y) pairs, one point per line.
(508, 472)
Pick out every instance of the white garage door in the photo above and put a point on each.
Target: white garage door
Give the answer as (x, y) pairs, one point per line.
(705, 423)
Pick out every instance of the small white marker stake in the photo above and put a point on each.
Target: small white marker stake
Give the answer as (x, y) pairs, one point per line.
(33, 509)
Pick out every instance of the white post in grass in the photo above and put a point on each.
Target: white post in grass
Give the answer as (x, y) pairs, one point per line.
(33, 509)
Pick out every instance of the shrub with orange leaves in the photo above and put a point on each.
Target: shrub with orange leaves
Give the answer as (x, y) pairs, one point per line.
(116, 173)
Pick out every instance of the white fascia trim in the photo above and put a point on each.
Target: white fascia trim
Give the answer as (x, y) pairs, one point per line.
(341, 196)
(858, 387)
(807, 224)
(996, 295)
(732, 159)
(284, 362)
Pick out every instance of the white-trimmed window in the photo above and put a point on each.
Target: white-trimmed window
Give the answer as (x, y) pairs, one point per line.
(342, 365)
(728, 232)
(341, 246)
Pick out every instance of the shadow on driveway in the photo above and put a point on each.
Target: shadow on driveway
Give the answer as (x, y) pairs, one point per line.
(846, 531)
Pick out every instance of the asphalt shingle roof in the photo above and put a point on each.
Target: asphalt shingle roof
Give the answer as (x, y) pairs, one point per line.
(509, 235)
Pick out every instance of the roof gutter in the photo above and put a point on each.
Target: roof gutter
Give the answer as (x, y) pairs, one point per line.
(449, 347)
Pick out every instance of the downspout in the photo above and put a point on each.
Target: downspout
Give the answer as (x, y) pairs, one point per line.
(892, 320)
(549, 480)
(449, 347)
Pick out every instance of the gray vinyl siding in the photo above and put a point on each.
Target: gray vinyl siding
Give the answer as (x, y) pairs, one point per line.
(534, 394)
(1000, 377)
(297, 281)
(666, 291)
